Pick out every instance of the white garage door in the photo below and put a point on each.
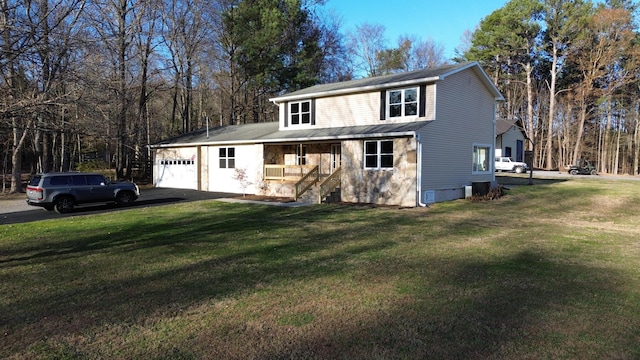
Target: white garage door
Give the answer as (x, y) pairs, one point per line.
(177, 173)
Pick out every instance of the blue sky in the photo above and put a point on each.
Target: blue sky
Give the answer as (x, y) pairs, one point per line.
(443, 21)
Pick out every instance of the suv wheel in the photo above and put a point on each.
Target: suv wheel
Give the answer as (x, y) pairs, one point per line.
(63, 205)
(519, 170)
(124, 198)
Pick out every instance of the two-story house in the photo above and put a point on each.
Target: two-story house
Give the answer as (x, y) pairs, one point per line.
(403, 139)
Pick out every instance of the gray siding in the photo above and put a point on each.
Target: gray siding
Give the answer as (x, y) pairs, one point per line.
(464, 117)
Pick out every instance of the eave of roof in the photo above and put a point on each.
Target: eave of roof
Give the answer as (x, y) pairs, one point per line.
(502, 126)
(423, 76)
(269, 133)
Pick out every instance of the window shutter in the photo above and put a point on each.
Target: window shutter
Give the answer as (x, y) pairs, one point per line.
(313, 111)
(423, 100)
(286, 114)
(383, 105)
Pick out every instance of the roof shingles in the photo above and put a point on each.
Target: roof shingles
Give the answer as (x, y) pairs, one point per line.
(269, 133)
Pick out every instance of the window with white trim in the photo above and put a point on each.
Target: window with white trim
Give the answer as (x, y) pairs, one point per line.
(378, 154)
(481, 159)
(300, 113)
(402, 102)
(227, 158)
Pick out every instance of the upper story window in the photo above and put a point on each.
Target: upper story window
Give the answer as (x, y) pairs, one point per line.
(300, 113)
(402, 103)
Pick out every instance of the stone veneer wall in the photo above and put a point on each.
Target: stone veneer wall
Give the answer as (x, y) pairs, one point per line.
(390, 187)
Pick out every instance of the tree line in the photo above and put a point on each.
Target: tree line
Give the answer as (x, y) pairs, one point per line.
(569, 71)
(85, 81)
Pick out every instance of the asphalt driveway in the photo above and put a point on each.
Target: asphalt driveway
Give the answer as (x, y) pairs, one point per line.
(17, 211)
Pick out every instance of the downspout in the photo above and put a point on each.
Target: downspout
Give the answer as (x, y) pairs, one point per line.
(419, 170)
(492, 160)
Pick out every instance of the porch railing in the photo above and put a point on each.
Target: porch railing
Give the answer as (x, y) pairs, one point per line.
(286, 172)
(329, 184)
(307, 181)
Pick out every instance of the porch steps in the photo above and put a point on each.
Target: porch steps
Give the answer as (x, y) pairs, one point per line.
(333, 197)
(311, 195)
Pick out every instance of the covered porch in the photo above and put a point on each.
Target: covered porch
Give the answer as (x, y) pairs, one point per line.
(292, 169)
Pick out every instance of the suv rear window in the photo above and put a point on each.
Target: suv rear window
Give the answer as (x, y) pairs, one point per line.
(35, 180)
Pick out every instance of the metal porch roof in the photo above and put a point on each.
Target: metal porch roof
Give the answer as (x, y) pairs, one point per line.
(269, 133)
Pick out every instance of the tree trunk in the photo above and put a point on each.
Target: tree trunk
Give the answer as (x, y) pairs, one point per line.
(529, 71)
(122, 79)
(552, 107)
(636, 139)
(46, 156)
(576, 148)
(605, 165)
(186, 107)
(19, 136)
(617, 153)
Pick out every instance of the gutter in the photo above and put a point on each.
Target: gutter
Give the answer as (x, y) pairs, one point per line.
(287, 140)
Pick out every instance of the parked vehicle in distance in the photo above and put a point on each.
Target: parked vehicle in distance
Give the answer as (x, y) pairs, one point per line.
(62, 191)
(503, 163)
(582, 167)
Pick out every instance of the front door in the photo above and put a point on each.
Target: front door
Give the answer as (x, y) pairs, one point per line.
(335, 157)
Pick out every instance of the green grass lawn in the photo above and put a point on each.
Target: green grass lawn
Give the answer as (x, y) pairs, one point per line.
(550, 271)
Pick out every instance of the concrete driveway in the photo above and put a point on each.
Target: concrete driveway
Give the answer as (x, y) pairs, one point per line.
(16, 210)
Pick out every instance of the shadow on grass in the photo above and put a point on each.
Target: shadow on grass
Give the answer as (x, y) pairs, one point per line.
(525, 306)
(127, 273)
(530, 303)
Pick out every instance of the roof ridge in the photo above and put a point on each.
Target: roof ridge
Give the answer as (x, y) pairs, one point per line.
(374, 82)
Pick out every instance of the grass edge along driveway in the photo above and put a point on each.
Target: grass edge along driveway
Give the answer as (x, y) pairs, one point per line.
(548, 271)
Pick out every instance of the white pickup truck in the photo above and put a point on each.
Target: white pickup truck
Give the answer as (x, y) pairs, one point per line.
(504, 163)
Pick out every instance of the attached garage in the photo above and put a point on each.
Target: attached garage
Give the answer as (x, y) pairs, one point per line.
(176, 168)
(210, 159)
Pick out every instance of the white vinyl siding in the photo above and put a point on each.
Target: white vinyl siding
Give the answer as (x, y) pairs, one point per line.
(510, 139)
(227, 157)
(246, 157)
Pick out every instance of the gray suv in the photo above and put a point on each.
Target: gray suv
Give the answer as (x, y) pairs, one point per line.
(62, 191)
